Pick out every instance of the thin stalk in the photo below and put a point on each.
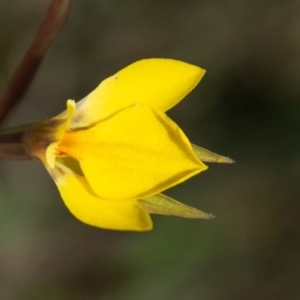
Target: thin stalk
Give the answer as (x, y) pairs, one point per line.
(50, 26)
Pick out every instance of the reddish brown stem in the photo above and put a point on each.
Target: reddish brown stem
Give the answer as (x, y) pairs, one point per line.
(22, 77)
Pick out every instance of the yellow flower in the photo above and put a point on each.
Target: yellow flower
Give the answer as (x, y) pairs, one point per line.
(114, 152)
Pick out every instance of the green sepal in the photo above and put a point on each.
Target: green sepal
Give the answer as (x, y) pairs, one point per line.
(164, 205)
(209, 156)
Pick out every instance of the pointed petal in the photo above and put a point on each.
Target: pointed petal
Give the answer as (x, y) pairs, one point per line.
(134, 154)
(158, 82)
(88, 208)
(209, 156)
(164, 205)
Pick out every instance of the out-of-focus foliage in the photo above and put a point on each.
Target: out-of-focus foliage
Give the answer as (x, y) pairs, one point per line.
(247, 107)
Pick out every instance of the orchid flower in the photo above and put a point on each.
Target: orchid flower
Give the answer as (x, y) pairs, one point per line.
(113, 153)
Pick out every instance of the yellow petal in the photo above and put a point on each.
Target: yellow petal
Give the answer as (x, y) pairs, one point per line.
(136, 153)
(158, 82)
(164, 205)
(88, 208)
(209, 156)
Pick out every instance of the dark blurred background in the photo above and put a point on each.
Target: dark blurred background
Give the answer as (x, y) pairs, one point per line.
(247, 107)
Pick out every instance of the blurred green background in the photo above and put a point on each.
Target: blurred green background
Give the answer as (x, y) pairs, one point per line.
(247, 107)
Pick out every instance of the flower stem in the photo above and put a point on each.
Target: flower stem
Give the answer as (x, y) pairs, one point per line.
(23, 75)
(11, 143)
